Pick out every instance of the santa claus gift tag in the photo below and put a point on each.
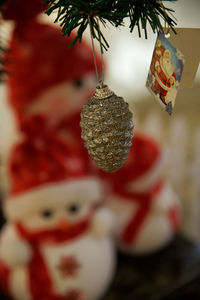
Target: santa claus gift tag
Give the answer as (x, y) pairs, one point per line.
(165, 72)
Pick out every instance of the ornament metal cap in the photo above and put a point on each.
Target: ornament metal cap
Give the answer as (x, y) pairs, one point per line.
(107, 129)
(102, 91)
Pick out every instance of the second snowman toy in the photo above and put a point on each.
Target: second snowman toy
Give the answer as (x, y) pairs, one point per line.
(56, 244)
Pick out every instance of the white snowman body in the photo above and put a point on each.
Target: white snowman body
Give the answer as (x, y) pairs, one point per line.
(157, 228)
(95, 263)
(82, 264)
(95, 258)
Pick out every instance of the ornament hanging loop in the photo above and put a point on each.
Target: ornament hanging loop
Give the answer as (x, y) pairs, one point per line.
(102, 91)
(93, 48)
(166, 28)
(101, 50)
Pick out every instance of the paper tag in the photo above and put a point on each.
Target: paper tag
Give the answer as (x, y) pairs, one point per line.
(188, 41)
(165, 72)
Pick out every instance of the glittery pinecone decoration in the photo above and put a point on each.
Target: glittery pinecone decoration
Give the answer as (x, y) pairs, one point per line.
(107, 129)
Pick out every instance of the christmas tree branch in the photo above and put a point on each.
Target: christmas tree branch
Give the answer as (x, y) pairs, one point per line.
(143, 12)
(73, 14)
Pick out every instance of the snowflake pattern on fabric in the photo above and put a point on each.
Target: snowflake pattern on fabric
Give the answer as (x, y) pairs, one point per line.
(68, 266)
(73, 295)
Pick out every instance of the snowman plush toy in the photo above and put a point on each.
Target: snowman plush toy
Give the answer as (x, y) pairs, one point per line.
(147, 209)
(47, 77)
(57, 242)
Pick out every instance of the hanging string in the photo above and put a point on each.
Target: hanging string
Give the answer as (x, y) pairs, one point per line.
(166, 28)
(101, 50)
(93, 50)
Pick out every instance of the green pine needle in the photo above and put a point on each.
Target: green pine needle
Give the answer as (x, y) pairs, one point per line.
(74, 14)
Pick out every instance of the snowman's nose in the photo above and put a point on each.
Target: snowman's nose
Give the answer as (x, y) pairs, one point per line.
(63, 224)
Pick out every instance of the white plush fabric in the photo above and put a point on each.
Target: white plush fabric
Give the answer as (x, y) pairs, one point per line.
(13, 250)
(89, 189)
(103, 223)
(156, 231)
(146, 181)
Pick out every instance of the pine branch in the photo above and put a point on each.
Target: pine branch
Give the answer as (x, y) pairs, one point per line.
(143, 12)
(74, 14)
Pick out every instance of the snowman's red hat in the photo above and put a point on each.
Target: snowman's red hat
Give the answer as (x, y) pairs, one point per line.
(143, 167)
(41, 167)
(38, 56)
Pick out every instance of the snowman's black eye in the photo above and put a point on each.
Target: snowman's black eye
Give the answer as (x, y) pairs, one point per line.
(47, 213)
(73, 208)
(79, 83)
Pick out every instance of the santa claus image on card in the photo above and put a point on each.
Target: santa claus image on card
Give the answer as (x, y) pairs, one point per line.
(165, 72)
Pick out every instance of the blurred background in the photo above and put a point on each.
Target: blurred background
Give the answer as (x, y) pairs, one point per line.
(127, 64)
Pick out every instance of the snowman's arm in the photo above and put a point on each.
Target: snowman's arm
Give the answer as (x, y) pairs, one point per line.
(13, 250)
(103, 222)
(165, 200)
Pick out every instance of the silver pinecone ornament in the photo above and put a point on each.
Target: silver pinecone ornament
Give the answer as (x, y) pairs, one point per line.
(107, 129)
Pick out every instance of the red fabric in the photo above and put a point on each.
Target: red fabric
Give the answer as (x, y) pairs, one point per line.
(71, 127)
(68, 266)
(4, 277)
(39, 58)
(144, 154)
(70, 130)
(40, 284)
(43, 157)
(21, 11)
(174, 217)
(165, 81)
(144, 202)
(73, 295)
(54, 236)
(71, 124)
